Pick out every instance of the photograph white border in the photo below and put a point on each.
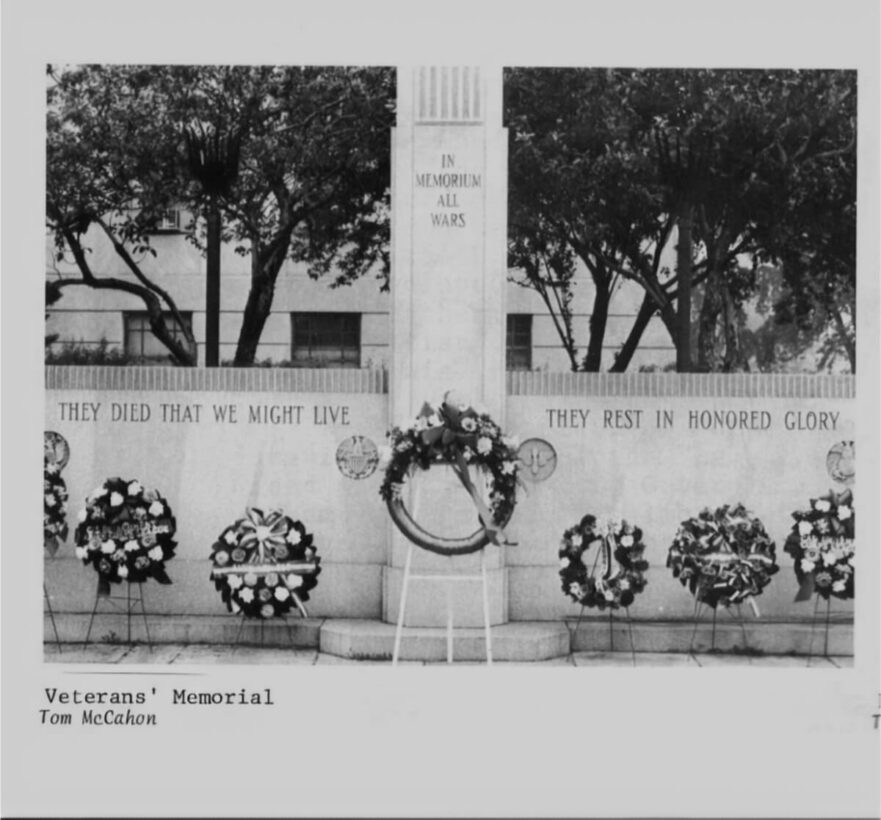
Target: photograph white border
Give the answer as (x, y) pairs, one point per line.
(415, 741)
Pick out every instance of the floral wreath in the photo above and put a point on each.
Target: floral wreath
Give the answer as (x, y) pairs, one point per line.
(264, 564)
(724, 556)
(126, 532)
(458, 435)
(822, 545)
(621, 575)
(55, 527)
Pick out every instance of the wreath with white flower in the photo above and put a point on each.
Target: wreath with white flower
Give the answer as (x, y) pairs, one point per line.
(264, 564)
(55, 527)
(460, 436)
(822, 546)
(619, 556)
(723, 556)
(126, 532)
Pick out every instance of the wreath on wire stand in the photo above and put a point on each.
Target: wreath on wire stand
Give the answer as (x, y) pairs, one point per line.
(126, 532)
(724, 556)
(55, 528)
(822, 546)
(265, 564)
(462, 437)
(609, 576)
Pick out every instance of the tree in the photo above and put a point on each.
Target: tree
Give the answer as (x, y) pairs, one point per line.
(313, 176)
(762, 141)
(717, 158)
(813, 236)
(111, 171)
(579, 191)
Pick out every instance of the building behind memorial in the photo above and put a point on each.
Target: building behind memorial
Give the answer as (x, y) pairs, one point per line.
(312, 324)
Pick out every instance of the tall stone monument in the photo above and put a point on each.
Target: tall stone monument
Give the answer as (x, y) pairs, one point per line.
(449, 233)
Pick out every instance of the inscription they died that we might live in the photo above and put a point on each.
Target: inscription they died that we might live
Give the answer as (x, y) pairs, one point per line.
(446, 185)
(317, 415)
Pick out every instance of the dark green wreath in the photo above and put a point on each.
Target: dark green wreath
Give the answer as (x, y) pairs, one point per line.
(723, 556)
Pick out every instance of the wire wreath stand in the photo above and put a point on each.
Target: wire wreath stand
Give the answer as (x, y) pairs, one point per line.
(102, 593)
(47, 599)
(814, 627)
(294, 567)
(573, 632)
(698, 608)
(447, 579)
(51, 614)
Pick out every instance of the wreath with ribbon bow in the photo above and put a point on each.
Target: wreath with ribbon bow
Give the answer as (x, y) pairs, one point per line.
(126, 532)
(264, 564)
(460, 436)
(614, 576)
(822, 546)
(723, 556)
(55, 527)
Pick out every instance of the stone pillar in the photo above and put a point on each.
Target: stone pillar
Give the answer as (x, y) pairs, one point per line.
(449, 234)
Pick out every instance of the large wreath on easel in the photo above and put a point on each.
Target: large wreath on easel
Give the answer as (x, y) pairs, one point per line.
(459, 436)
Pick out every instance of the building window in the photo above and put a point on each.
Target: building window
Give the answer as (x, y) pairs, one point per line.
(326, 339)
(518, 347)
(169, 221)
(141, 343)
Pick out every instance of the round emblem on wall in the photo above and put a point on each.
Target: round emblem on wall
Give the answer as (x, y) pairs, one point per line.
(357, 457)
(538, 459)
(840, 462)
(55, 448)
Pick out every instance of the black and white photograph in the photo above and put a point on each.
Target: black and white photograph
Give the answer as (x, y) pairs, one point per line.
(392, 398)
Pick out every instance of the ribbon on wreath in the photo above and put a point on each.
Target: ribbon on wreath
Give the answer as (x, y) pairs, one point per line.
(451, 443)
(607, 551)
(722, 558)
(269, 530)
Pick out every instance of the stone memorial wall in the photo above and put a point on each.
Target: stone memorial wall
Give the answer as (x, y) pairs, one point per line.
(215, 442)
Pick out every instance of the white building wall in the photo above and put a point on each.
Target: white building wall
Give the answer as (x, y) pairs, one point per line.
(85, 315)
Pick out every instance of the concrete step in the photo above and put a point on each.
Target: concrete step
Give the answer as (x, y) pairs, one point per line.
(799, 637)
(374, 640)
(112, 628)
(516, 641)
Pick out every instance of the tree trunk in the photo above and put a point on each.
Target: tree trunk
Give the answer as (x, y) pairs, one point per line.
(257, 310)
(647, 309)
(183, 354)
(683, 300)
(265, 266)
(733, 354)
(598, 319)
(212, 287)
(710, 310)
(179, 353)
(848, 344)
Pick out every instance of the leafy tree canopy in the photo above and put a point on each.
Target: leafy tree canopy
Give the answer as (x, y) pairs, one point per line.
(606, 164)
(311, 150)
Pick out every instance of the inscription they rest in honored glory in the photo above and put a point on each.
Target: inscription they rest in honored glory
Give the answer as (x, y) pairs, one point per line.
(448, 183)
(692, 419)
